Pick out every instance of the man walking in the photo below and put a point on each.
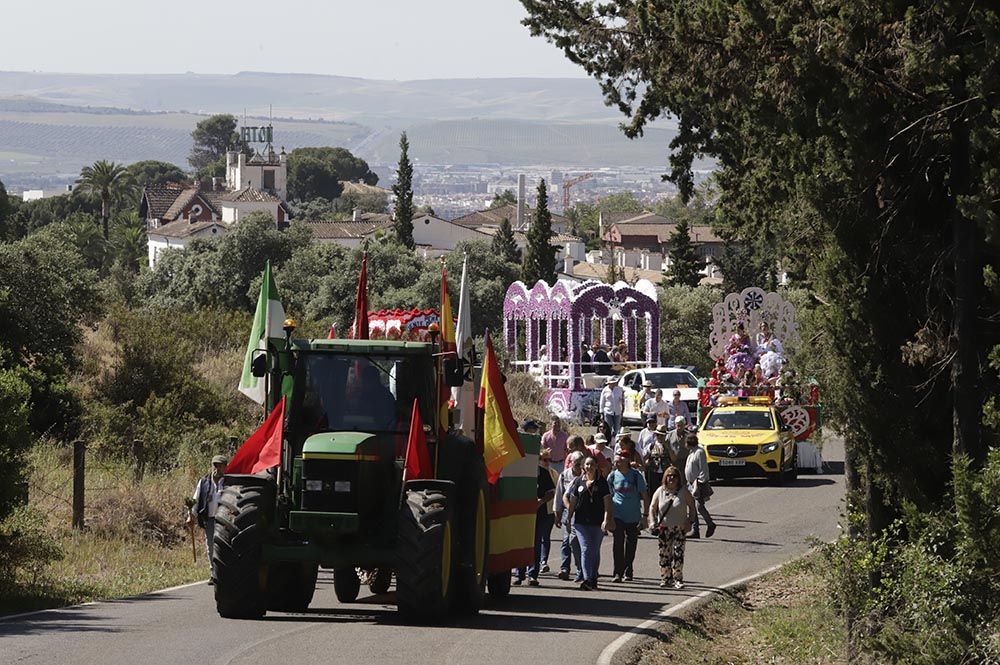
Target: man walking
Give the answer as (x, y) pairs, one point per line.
(612, 405)
(570, 545)
(206, 497)
(677, 443)
(676, 407)
(555, 440)
(696, 474)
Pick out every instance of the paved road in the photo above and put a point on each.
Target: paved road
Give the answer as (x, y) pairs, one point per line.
(759, 526)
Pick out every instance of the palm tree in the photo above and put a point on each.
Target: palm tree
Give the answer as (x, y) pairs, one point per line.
(130, 247)
(104, 179)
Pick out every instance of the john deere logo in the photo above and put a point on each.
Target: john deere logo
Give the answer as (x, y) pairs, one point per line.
(731, 451)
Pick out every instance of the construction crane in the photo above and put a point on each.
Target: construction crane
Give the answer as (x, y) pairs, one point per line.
(567, 184)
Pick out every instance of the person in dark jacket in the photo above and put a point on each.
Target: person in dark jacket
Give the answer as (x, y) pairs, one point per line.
(206, 497)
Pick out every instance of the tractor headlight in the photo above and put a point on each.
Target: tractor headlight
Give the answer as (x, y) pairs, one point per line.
(769, 448)
(314, 485)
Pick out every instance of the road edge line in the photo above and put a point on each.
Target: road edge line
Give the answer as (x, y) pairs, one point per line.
(10, 617)
(667, 611)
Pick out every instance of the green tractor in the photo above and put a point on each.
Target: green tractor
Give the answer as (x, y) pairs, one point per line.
(338, 499)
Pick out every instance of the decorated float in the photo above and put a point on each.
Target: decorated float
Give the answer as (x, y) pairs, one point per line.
(545, 328)
(403, 324)
(753, 333)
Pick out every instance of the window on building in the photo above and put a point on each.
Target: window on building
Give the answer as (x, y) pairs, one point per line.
(268, 183)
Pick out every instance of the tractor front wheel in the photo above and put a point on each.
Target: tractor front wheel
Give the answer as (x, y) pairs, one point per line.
(424, 570)
(346, 584)
(240, 526)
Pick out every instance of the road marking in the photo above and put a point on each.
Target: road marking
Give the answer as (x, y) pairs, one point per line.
(11, 617)
(741, 497)
(670, 610)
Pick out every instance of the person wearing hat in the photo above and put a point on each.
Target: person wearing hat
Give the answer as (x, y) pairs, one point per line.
(647, 437)
(612, 405)
(647, 394)
(657, 457)
(206, 497)
(677, 443)
(602, 453)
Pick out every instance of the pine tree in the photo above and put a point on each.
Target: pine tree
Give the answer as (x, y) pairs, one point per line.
(540, 255)
(403, 189)
(504, 245)
(684, 264)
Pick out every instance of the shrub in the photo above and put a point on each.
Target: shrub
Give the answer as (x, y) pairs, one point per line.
(26, 547)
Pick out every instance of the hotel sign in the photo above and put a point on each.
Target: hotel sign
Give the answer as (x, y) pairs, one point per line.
(257, 134)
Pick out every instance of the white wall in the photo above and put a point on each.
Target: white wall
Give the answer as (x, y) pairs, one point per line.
(232, 211)
(439, 234)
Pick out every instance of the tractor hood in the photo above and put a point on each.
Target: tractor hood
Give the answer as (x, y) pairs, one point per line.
(340, 445)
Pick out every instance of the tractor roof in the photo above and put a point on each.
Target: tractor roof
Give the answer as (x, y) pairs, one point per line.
(362, 346)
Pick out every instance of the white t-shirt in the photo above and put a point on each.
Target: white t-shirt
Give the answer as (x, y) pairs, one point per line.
(612, 400)
(645, 441)
(659, 409)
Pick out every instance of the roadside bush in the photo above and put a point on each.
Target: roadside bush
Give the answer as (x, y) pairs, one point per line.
(146, 513)
(14, 437)
(26, 547)
(927, 590)
(527, 397)
(685, 323)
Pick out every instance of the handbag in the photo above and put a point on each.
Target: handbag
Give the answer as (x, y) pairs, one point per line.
(704, 490)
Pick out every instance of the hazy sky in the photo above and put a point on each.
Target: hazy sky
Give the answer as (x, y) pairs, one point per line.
(386, 39)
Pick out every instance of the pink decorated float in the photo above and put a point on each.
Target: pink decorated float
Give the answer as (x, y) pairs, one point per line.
(545, 328)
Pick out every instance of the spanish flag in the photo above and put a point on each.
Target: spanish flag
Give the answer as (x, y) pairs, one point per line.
(501, 444)
(447, 346)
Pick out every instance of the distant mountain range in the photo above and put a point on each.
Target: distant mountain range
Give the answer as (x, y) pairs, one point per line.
(52, 123)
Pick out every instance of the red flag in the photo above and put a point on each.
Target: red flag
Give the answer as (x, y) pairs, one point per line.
(418, 458)
(359, 329)
(263, 449)
(333, 331)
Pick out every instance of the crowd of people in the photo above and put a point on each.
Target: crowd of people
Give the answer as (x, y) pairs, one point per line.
(590, 489)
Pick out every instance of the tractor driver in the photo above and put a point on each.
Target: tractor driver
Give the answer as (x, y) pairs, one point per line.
(375, 400)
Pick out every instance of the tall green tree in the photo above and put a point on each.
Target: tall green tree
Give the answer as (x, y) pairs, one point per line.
(104, 180)
(318, 172)
(212, 138)
(504, 244)
(539, 254)
(684, 263)
(403, 189)
(861, 141)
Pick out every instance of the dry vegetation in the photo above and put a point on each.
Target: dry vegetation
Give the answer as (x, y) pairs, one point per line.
(784, 617)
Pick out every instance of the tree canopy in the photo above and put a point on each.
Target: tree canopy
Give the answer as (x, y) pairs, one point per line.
(504, 244)
(684, 263)
(860, 142)
(154, 173)
(213, 137)
(318, 172)
(501, 199)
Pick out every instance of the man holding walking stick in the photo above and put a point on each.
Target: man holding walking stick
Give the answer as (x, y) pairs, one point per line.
(206, 501)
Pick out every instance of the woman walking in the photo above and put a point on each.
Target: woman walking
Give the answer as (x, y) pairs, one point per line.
(589, 502)
(628, 494)
(671, 512)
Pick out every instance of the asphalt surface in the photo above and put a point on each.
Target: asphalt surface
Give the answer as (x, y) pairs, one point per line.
(759, 526)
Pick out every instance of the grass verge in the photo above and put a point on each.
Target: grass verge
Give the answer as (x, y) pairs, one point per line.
(783, 617)
(135, 541)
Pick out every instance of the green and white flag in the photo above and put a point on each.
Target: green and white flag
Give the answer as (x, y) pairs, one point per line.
(267, 327)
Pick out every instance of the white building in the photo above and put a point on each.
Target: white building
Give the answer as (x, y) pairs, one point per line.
(432, 236)
(265, 171)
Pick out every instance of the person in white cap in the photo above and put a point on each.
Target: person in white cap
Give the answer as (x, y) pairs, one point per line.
(612, 405)
(677, 443)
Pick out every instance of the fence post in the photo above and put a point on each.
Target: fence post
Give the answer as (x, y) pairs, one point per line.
(79, 468)
(139, 461)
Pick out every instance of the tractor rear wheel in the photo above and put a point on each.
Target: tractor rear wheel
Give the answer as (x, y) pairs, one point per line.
(291, 585)
(240, 526)
(380, 580)
(424, 571)
(474, 541)
(346, 584)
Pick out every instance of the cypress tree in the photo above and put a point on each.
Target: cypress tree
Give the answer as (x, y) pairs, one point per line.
(403, 189)
(684, 264)
(504, 245)
(540, 255)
